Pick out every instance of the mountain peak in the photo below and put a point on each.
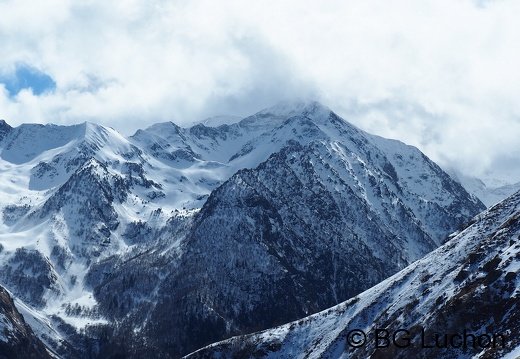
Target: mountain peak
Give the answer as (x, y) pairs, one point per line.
(216, 121)
(27, 141)
(295, 108)
(274, 116)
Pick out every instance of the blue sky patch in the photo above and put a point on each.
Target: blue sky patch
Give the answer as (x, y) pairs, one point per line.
(27, 77)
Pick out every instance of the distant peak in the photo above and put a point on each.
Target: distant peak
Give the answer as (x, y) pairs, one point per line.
(92, 127)
(296, 107)
(216, 121)
(163, 126)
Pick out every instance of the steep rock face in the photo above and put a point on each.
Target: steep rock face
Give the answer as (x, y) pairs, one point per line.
(4, 129)
(17, 340)
(313, 225)
(85, 203)
(460, 301)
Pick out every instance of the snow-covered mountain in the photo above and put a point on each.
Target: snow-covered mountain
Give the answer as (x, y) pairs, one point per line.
(460, 301)
(351, 206)
(176, 237)
(488, 189)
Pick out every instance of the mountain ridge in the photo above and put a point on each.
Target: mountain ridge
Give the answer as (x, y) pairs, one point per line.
(102, 233)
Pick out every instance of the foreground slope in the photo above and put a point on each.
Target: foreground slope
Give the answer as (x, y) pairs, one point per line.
(467, 290)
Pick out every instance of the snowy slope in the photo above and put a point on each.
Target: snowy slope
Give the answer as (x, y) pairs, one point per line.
(488, 189)
(66, 202)
(469, 284)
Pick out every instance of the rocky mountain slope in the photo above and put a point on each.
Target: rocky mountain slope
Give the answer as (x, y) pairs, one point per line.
(17, 339)
(353, 207)
(176, 237)
(460, 301)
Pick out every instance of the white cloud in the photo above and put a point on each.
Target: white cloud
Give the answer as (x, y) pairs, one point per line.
(439, 74)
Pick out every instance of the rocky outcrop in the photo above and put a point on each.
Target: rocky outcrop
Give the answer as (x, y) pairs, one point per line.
(17, 340)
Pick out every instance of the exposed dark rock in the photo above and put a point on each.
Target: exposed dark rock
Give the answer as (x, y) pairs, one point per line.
(17, 340)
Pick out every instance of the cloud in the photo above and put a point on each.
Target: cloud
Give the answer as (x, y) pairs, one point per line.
(440, 74)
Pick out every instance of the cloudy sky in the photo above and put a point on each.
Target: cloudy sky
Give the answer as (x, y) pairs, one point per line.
(442, 75)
